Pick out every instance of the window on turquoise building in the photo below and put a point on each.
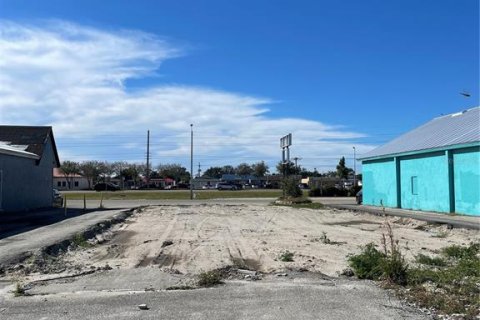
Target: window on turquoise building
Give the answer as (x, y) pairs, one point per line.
(414, 185)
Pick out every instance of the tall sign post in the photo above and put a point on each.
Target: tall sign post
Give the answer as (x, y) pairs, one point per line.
(285, 143)
(191, 161)
(354, 167)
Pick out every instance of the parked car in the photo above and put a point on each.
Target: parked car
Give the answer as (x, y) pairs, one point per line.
(208, 187)
(226, 186)
(57, 198)
(106, 187)
(359, 197)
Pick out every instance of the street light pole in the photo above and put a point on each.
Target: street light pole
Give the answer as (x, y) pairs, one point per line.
(191, 161)
(354, 168)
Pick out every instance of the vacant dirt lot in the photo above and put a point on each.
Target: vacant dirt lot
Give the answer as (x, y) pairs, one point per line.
(192, 239)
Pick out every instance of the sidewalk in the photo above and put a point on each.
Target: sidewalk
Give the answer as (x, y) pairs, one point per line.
(23, 243)
(456, 221)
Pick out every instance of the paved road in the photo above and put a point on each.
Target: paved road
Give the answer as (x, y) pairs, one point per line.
(276, 299)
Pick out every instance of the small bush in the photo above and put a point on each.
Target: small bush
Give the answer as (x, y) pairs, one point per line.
(459, 252)
(430, 261)
(388, 265)
(80, 241)
(367, 264)
(19, 290)
(452, 287)
(291, 189)
(287, 256)
(209, 279)
(315, 192)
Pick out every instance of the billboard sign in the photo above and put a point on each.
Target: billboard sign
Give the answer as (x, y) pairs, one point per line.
(286, 141)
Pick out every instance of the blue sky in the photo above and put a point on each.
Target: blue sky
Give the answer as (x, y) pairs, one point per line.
(336, 74)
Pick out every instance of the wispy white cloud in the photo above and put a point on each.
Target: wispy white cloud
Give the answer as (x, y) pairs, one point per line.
(73, 78)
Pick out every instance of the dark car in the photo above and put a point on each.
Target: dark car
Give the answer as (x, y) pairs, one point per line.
(226, 186)
(106, 187)
(359, 197)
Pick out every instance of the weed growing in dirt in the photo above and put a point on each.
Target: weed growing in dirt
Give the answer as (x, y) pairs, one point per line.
(184, 287)
(441, 234)
(19, 290)
(367, 264)
(452, 287)
(448, 283)
(324, 238)
(388, 265)
(80, 241)
(430, 261)
(300, 203)
(393, 266)
(286, 256)
(209, 279)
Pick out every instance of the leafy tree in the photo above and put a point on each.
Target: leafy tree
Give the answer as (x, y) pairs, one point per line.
(260, 169)
(69, 169)
(118, 168)
(106, 170)
(243, 169)
(174, 171)
(342, 170)
(228, 170)
(213, 172)
(330, 174)
(289, 168)
(133, 171)
(291, 189)
(91, 171)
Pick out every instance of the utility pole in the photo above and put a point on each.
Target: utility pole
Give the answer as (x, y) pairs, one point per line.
(199, 170)
(191, 161)
(148, 160)
(354, 167)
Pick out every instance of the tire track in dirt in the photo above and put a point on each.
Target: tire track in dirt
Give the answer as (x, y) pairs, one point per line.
(150, 253)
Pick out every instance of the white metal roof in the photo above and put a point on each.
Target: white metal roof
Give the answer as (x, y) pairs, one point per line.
(18, 151)
(452, 129)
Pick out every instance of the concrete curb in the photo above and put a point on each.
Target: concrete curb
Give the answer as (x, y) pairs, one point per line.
(60, 245)
(454, 221)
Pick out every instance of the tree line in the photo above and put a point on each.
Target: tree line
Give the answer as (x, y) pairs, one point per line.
(103, 171)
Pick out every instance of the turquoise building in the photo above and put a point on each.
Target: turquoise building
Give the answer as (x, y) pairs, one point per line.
(435, 167)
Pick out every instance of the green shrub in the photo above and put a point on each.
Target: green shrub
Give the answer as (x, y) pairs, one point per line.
(19, 290)
(388, 265)
(459, 252)
(430, 261)
(287, 256)
(209, 279)
(80, 241)
(367, 264)
(455, 284)
(291, 188)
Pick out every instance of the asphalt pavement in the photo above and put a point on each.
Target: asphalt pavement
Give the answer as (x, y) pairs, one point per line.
(278, 299)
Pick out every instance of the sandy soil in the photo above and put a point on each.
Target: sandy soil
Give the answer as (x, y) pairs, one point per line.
(193, 239)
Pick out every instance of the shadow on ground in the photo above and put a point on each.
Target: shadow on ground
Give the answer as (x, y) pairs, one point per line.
(18, 222)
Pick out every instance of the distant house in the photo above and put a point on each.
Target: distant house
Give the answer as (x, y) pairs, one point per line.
(435, 167)
(69, 182)
(27, 158)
